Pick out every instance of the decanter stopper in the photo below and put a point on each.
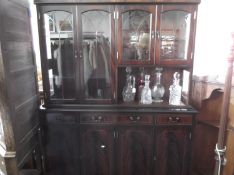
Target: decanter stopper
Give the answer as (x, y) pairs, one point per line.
(146, 97)
(158, 89)
(175, 90)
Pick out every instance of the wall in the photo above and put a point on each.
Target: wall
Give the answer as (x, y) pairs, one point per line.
(214, 24)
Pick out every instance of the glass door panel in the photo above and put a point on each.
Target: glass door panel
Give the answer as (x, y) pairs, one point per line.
(96, 49)
(136, 32)
(59, 39)
(174, 34)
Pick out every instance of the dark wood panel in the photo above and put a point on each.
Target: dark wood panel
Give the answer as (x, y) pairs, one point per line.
(97, 144)
(135, 119)
(20, 55)
(29, 119)
(20, 3)
(4, 104)
(205, 138)
(116, 1)
(172, 151)
(16, 29)
(174, 119)
(25, 149)
(98, 118)
(18, 87)
(61, 118)
(134, 150)
(62, 149)
(17, 9)
(22, 87)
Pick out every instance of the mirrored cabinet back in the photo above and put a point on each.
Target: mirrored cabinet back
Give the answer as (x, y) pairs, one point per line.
(109, 69)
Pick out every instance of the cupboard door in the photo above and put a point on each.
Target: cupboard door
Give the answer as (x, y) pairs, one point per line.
(57, 52)
(134, 150)
(175, 34)
(97, 144)
(135, 36)
(172, 150)
(96, 37)
(61, 144)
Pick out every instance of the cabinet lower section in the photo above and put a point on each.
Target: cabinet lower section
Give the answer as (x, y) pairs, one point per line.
(90, 143)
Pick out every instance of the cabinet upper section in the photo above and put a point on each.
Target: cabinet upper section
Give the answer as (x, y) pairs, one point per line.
(85, 48)
(113, 1)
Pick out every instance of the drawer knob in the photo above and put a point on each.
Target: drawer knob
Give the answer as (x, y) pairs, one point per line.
(174, 119)
(103, 146)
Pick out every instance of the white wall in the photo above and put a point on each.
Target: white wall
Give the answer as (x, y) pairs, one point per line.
(215, 22)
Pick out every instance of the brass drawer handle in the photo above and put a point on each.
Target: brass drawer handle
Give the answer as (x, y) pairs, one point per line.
(174, 119)
(134, 118)
(97, 118)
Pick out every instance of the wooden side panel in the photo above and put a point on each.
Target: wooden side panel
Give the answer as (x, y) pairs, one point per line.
(205, 138)
(229, 167)
(19, 71)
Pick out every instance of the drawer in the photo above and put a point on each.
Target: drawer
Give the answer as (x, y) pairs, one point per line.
(174, 119)
(135, 118)
(61, 118)
(97, 118)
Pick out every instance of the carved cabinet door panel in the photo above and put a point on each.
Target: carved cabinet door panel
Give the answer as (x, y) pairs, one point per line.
(61, 144)
(97, 144)
(134, 150)
(172, 150)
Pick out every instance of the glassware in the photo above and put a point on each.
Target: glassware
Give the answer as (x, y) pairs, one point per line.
(140, 83)
(129, 89)
(175, 90)
(158, 89)
(146, 97)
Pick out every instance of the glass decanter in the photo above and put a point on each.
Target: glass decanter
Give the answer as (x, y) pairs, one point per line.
(158, 89)
(146, 97)
(129, 89)
(140, 82)
(175, 90)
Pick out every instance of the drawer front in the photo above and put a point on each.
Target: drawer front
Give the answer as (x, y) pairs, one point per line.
(135, 119)
(174, 119)
(97, 118)
(61, 118)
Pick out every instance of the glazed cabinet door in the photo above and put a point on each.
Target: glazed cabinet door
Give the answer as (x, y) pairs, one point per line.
(97, 144)
(135, 34)
(61, 144)
(134, 150)
(95, 53)
(57, 43)
(175, 34)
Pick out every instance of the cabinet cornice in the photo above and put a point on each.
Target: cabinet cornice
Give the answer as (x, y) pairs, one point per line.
(116, 1)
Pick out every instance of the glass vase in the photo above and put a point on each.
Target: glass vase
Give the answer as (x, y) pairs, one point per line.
(158, 89)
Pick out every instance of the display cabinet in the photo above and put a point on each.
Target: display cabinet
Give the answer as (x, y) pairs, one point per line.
(175, 34)
(135, 30)
(103, 52)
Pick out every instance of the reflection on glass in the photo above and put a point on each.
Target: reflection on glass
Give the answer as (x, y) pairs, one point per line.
(136, 32)
(96, 39)
(175, 29)
(58, 27)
